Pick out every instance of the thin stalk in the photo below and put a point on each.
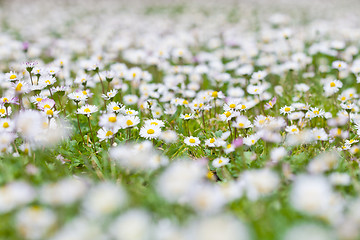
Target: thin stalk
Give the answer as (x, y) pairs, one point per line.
(93, 139)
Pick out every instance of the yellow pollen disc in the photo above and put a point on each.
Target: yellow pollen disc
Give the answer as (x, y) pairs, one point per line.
(150, 131)
(112, 119)
(47, 106)
(116, 108)
(129, 122)
(243, 106)
(351, 95)
(256, 90)
(261, 121)
(187, 116)
(129, 112)
(228, 114)
(241, 125)
(5, 125)
(192, 140)
(220, 161)
(12, 77)
(343, 98)
(154, 123)
(84, 92)
(318, 137)
(201, 105)
(287, 109)
(209, 174)
(232, 105)
(185, 102)
(270, 103)
(48, 82)
(195, 105)
(26, 150)
(109, 133)
(228, 146)
(134, 75)
(87, 110)
(38, 99)
(214, 94)
(49, 112)
(294, 130)
(351, 141)
(338, 131)
(332, 84)
(5, 99)
(2, 111)
(356, 150)
(18, 87)
(252, 141)
(316, 112)
(212, 140)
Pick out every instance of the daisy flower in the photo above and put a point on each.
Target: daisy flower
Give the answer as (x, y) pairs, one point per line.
(286, 109)
(231, 105)
(229, 148)
(115, 107)
(129, 121)
(292, 129)
(242, 122)
(228, 115)
(261, 121)
(317, 112)
(130, 112)
(187, 116)
(46, 80)
(255, 89)
(109, 121)
(211, 142)
(12, 76)
(270, 104)
(130, 99)
(251, 140)
(77, 96)
(320, 134)
(7, 125)
(192, 141)
(109, 95)
(4, 110)
(339, 65)
(105, 134)
(150, 131)
(220, 161)
(155, 122)
(87, 110)
(37, 98)
(21, 87)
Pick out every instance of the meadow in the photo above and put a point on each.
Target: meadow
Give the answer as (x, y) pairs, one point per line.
(184, 120)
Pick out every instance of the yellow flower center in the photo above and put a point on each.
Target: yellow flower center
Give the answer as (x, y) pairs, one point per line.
(343, 98)
(2, 111)
(220, 161)
(150, 131)
(18, 87)
(49, 112)
(294, 130)
(116, 108)
(38, 99)
(253, 141)
(129, 122)
(109, 133)
(243, 106)
(112, 119)
(5, 99)
(87, 110)
(332, 84)
(228, 146)
(12, 77)
(287, 109)
(227, 114)
(241, 125)
(5, 125)
(192, 140)
(47, 106)
(154, 123)
(232, 105)
(185, 102)
(48, 82)
(214, 94)
(187, 116)
(212, 140)
(316, 112)
(84, 92)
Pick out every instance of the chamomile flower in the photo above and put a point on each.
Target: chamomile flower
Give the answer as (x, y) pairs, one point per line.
(12, 76)
(320, 134)
(130, 112)
(220, 161)
(131, 99)
(339, 65)
(46, 80)
(150, 131)
(231, 105)
(5, 111)
(37, 98)
(21, 87)
(87, 110)
(228, 115)
(46, 104)
(6, 125)
(192, 141)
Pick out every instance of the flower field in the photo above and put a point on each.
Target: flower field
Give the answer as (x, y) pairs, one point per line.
(179, 120)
